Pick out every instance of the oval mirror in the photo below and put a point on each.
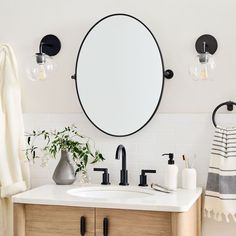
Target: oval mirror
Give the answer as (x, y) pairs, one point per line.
(119, 75)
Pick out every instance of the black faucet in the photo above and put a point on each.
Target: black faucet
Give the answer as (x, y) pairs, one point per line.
(124, 171)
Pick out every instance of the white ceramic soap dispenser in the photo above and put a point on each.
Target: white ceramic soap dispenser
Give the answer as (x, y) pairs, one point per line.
(171, 173)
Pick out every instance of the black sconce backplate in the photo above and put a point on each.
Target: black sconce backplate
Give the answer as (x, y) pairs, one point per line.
(211, 44)
(51, 45)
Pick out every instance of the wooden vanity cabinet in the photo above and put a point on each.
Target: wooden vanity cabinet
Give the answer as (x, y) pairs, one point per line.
(44, 220)
(149, 223)
(133, 223)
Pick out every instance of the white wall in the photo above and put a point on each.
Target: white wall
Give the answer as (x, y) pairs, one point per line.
(183, 121)
(176, 25)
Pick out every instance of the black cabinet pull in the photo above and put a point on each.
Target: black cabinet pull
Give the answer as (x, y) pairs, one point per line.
(82, 225)
(105, 226)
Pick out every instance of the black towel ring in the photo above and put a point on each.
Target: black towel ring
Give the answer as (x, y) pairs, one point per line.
(229, 105)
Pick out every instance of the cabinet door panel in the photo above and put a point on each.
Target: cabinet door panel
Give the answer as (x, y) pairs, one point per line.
(43, 220)
(133, 223)
(188, 223)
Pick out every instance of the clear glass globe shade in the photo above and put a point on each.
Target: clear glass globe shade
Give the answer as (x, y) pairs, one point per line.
(40, 71)
(203, 67)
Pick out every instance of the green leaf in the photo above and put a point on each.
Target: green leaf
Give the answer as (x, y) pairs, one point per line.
(101, 156)
(87, 146)
(77, 170)
(67, 139)
(29, 138)
(85, 160)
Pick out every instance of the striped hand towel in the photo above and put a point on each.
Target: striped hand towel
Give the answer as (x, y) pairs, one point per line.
(220, 197)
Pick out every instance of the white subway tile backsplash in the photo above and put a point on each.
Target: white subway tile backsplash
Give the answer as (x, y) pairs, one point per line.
(179, 133)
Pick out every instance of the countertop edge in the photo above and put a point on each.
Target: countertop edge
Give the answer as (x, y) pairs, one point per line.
(17, 199)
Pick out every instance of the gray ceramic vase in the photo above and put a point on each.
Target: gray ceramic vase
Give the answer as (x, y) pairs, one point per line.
(64, 173)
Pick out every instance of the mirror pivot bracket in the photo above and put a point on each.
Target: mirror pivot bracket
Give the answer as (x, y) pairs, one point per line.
(73, 76)
(168, 74)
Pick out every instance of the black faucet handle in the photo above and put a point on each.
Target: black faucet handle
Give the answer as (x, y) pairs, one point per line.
(101, 169)
(143, 172)
(105, 175)
(143, 177)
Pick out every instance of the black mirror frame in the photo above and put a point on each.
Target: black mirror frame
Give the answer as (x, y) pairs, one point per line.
(168, 74)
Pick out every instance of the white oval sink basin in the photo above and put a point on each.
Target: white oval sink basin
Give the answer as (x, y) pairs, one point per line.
(110, 192)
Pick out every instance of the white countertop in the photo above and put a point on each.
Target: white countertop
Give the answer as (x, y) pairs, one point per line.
(179, 201)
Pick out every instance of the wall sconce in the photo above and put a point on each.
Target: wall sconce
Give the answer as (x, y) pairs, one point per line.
(204, 64)
(43, 63)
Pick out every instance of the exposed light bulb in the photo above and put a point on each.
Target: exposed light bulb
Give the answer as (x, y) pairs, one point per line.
(204, 73)
(203, 66)
(42, 73)
(42, 66)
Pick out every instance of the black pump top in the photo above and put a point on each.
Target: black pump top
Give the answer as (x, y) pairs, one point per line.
(171, 158)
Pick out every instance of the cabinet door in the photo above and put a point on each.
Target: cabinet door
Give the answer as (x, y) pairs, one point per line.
(43, 220)
(132, 223)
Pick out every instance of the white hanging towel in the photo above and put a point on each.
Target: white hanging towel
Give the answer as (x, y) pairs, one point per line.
(14, 169)
(220, 197)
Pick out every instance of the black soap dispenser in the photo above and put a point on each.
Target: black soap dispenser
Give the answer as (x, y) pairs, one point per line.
(171, 173)
(171, 158)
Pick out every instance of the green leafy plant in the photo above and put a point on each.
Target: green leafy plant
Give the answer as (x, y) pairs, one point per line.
(68, 140)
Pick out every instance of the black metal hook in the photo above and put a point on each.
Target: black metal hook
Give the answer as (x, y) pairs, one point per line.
(229, 105)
